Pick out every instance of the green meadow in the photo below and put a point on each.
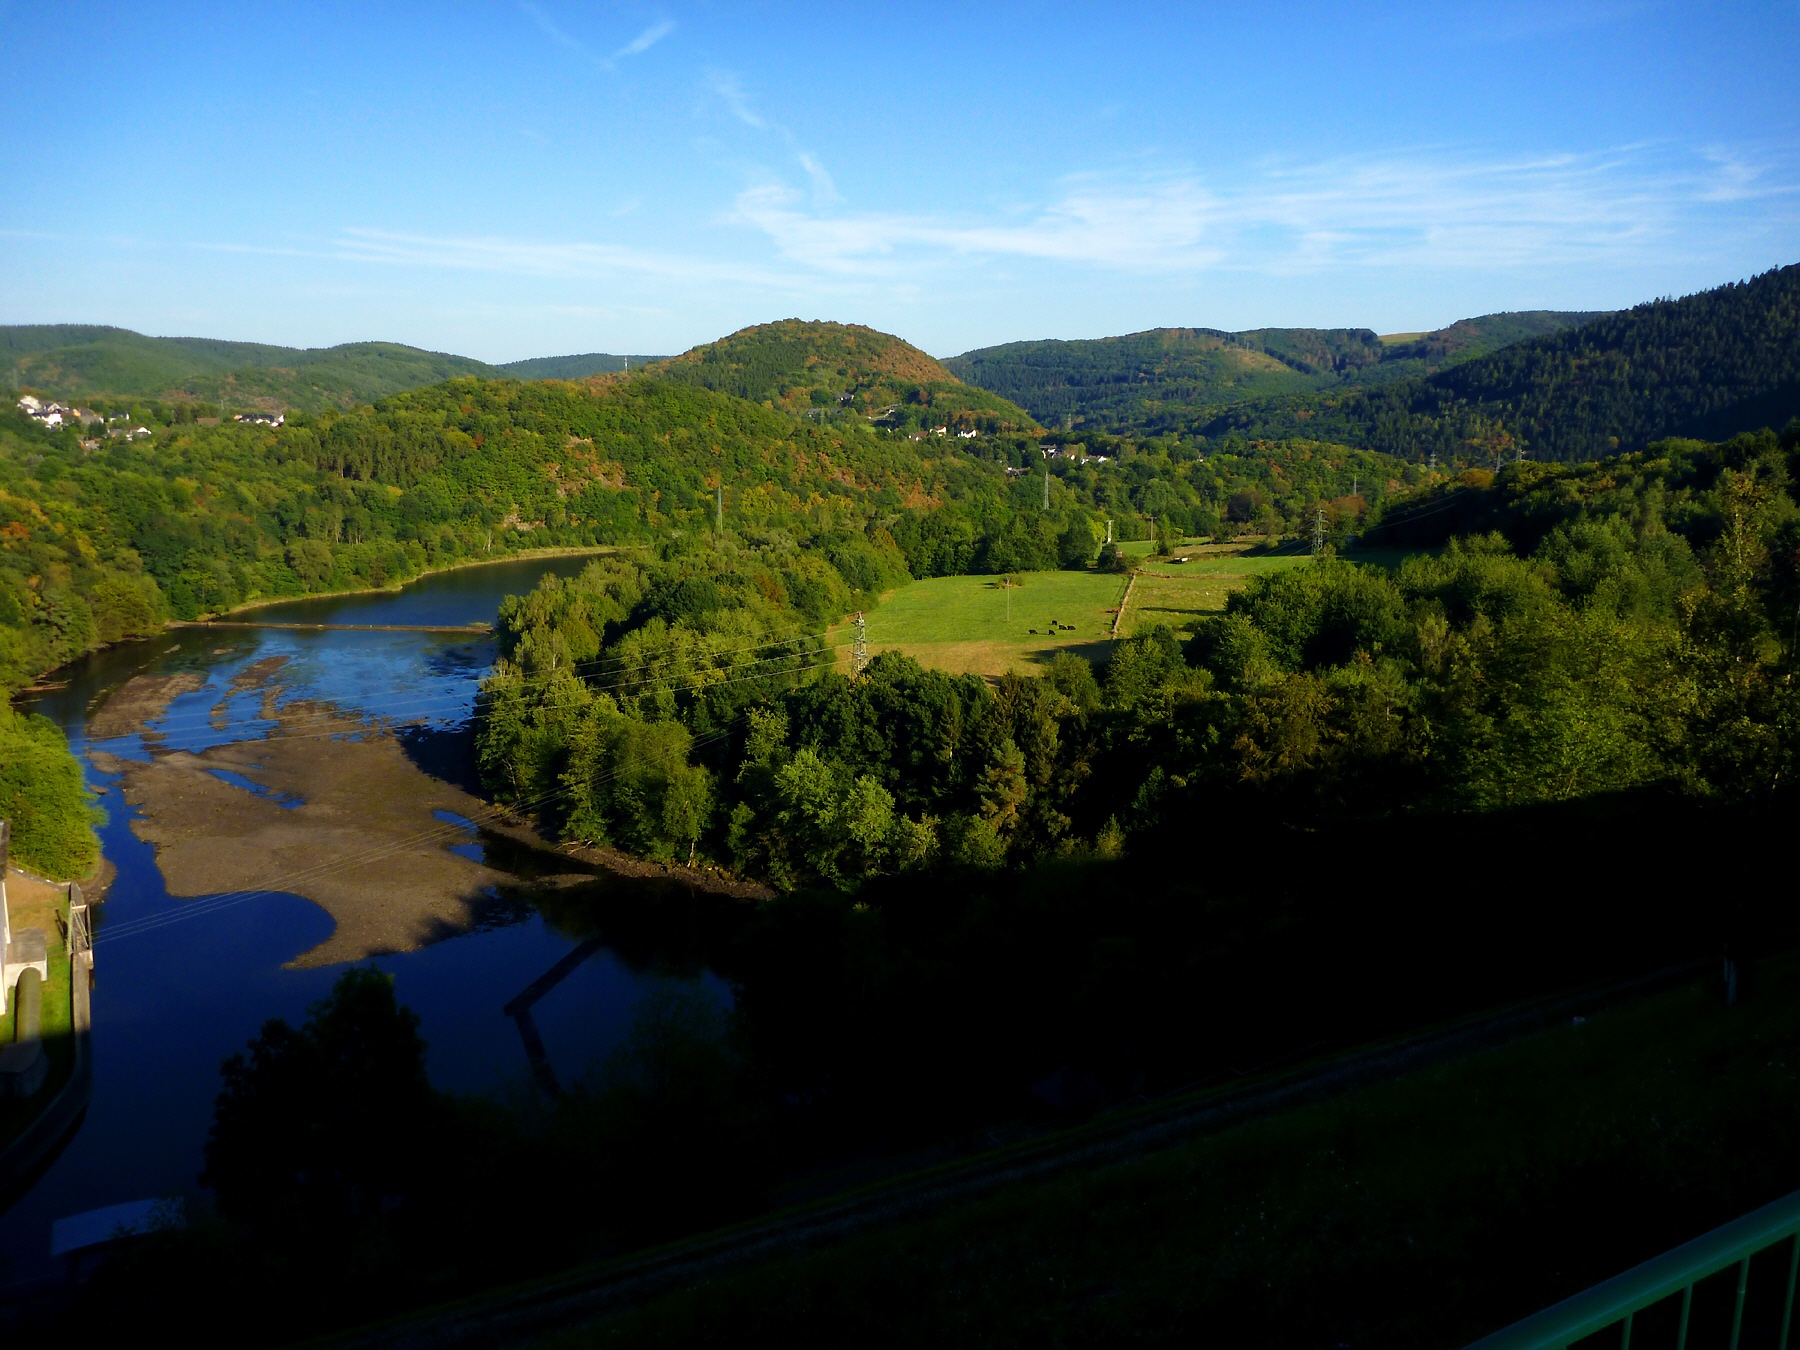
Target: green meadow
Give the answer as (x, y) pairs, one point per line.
(976, 624)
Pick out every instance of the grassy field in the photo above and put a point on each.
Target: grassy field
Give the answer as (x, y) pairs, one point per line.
(975, 624)
(1420, 1213)
(1174, 594)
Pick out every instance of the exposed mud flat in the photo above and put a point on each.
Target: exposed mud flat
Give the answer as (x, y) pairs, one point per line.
(334, 811)
(141, 699)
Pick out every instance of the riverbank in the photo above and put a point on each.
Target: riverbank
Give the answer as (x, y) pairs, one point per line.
(330, 806)
(394, 588)
(44, 680)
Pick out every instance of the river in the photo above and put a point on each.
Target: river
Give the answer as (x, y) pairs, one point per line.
(181, 983)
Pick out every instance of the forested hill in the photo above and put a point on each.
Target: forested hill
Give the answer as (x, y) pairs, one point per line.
(821, 369)
(1709, 365)
(575, 367)
(1160, 379)
(77, 361)
(104, 538)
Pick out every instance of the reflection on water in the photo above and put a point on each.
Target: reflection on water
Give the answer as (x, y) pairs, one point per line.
(286, 800)
(181, 984)
(472, 849)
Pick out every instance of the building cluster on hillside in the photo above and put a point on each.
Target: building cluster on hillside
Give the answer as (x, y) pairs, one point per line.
(1072, 452)
(262, 419)
(53, 415)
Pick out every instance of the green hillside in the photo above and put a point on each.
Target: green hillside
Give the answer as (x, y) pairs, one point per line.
(824, 369)
(575, 367)
(1708, 365)
(81, 362)
(1159, 379)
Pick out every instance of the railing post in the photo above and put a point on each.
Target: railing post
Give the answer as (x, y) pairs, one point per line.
(1737, 1312)
(1787, 1308)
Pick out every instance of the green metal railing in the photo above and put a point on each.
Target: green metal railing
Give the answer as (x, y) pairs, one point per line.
(1618, 1301)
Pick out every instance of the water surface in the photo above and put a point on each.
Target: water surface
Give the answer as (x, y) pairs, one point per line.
(180, 984)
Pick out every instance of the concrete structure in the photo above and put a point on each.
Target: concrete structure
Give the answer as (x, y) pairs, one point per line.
(24, 966)
(21, 951)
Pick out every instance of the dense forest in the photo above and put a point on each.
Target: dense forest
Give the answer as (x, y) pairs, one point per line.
(1167, 378)
(1707, 365)
(104, 537)
(1638, 634)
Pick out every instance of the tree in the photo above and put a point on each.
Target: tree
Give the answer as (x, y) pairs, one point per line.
(1075, 545)
(322, 1131)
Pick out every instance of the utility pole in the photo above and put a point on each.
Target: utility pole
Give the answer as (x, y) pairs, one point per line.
(1318, 540)
(720, 517)
(1046, 487)
(1109, 532)
(859, 651)
(1006, 585)
(1354, 480)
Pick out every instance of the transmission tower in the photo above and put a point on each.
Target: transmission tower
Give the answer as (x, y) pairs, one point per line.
(1318, 540)
(859, 651)
(1046, 487)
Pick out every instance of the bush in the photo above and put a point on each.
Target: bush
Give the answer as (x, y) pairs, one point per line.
(42, 794)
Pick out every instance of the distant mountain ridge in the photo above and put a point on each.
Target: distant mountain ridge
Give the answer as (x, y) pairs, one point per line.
(80, 361)
(77, 361)
(1159, 378)
(1707, 365)
(814, 367)
(579, 367)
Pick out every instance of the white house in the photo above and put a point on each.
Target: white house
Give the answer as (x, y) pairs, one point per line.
(30, 406)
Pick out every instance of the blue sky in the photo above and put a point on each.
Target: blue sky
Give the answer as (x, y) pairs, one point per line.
(520, 179)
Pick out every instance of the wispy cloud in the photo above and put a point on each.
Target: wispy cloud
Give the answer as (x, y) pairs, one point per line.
(731, 92)
(1141, 224)
(824, 191)
(642, 43)
(1525, 20)
(645, 40)
(487, 253)
(1420, 209)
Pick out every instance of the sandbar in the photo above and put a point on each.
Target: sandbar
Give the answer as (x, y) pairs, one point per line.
(347, 823)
